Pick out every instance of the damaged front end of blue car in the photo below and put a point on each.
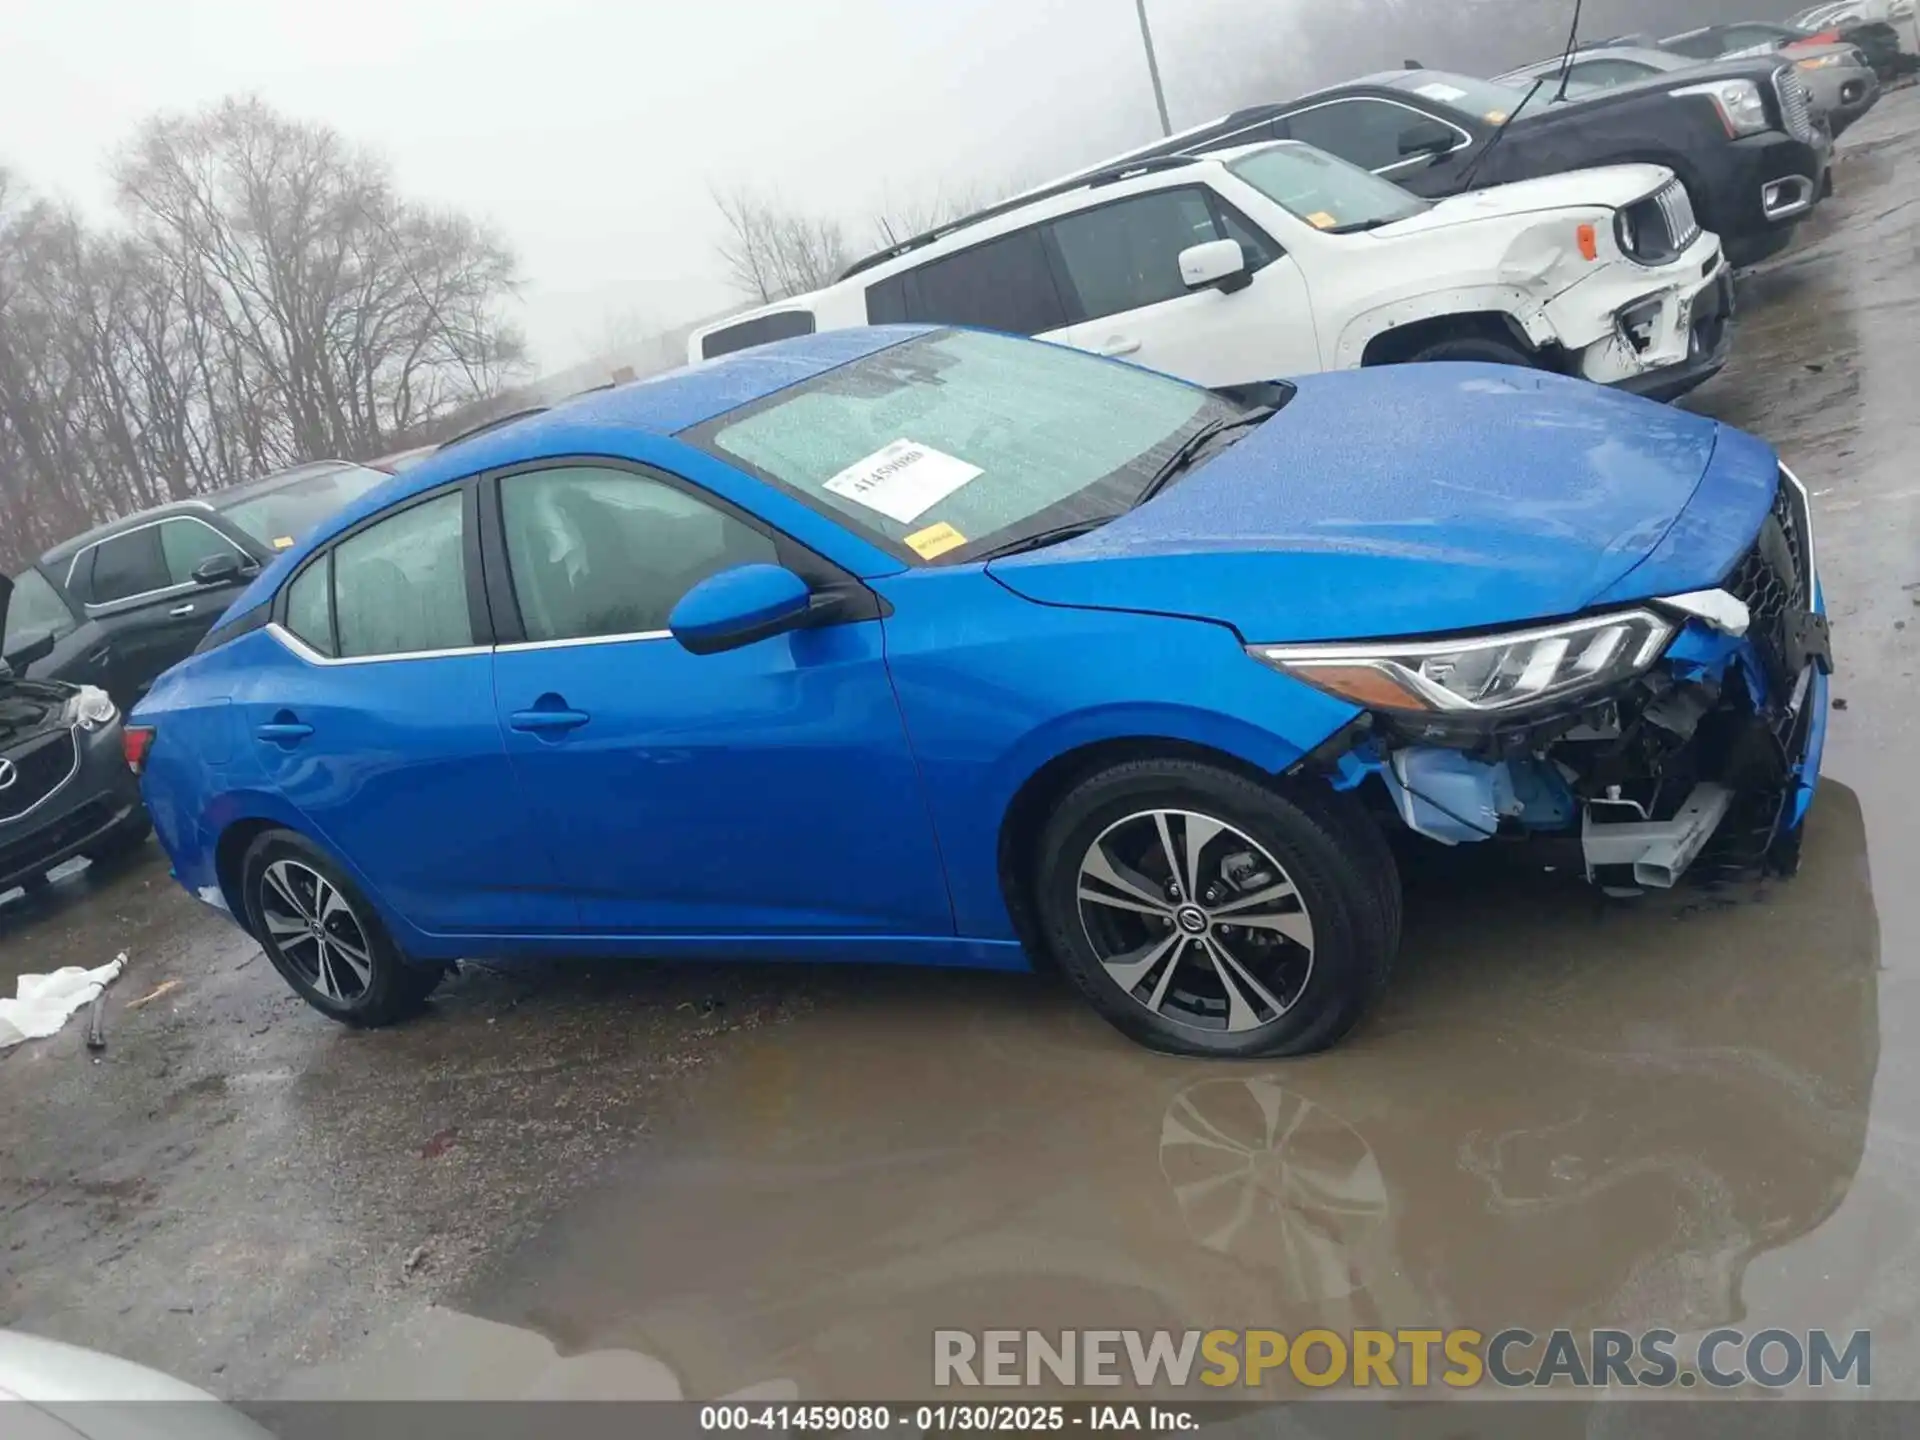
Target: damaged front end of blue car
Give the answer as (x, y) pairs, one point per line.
(1678, 733)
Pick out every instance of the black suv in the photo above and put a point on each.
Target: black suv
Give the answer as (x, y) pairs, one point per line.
(1739, 134)
(65, 788)
(119, 605)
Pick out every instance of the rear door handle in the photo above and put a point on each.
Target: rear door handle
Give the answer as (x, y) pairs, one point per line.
(179, 610)
(1118, 345)
(284, 732)
(547, 722)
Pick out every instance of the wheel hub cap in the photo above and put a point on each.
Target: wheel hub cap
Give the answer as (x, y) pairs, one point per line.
(1195, 920)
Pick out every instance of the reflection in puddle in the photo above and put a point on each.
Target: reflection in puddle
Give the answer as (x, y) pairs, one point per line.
(1274, 1180)
(1566, 1113)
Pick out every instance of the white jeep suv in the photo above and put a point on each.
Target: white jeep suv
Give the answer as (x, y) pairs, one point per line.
(1247, 265)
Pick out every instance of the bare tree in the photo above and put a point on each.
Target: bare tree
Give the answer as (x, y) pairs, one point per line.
(772, 252)
(272, 299)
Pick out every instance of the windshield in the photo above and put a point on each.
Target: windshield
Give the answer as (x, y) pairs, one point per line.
(960, 442)
(1324, 190)
(1485, 100)
(279, 517)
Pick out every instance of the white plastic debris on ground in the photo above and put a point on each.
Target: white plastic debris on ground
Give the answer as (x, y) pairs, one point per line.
(46, 1002)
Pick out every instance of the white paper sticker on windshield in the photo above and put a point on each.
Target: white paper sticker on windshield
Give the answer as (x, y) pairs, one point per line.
(1438, 91)
(903, 480)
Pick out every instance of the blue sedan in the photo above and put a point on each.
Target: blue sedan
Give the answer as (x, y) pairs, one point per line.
(942, 647)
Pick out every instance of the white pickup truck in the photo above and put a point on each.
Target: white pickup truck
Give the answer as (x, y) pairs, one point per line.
(1247, 265)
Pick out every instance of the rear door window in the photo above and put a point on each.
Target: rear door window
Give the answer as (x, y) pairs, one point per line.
(127, 565)
(1005, 284)
(400, 585)
(310, 605)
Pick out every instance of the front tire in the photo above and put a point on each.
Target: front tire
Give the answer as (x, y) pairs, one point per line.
(324, 937)
(1203, 913)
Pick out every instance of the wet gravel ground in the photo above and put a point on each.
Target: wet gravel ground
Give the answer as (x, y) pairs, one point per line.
(624, 1180)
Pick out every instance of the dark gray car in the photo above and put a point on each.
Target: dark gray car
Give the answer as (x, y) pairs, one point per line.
(65, 788)
(126, 601)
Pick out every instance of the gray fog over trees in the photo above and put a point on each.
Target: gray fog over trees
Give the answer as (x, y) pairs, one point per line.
(266, 297)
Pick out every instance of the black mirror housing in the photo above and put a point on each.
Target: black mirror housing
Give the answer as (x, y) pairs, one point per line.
(218, 569)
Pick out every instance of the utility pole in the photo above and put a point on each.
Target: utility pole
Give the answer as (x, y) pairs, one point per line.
(1153, 68)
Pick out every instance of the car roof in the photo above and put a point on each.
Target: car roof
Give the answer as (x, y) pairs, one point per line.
(199, 505)
(658, 405)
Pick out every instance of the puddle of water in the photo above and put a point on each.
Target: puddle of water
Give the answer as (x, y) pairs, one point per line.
(1599, 1121)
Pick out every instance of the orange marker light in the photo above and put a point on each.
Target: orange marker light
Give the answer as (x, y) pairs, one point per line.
(1589, 246)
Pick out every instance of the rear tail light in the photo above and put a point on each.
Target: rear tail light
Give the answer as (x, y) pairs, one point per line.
(135, 742)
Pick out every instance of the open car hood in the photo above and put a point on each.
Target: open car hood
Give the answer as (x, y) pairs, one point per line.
(1422, 499)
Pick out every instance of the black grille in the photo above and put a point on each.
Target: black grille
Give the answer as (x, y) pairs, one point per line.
(40, 767)
(1773, 579)
(76, 825)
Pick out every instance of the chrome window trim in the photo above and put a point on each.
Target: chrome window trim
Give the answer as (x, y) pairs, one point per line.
(300, 649)
(303, 651)
(73, 740)
(1465, 138)
(583, 640)
(124, 602)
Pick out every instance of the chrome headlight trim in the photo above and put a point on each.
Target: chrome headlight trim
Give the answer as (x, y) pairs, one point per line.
(1404, 663)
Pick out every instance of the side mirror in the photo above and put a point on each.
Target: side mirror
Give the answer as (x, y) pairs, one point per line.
(31, 653)
(1219, 263)
(221, 569)
(1429, 139)
(739, 606)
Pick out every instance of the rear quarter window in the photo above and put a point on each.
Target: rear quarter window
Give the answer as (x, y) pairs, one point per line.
(761, 330)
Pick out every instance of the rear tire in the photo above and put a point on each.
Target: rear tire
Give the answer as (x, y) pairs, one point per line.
(1203, 913)
(1480, 348)
(324, 936)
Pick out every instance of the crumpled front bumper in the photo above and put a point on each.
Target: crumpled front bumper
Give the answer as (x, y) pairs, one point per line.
(1664, 334)
(1715, 751)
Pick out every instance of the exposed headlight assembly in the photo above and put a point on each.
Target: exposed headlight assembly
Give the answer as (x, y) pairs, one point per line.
(91, 708)
(1485, 674)
(1741, 109)
(1821, 62)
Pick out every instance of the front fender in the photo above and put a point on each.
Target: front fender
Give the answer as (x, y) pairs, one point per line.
(993, 687)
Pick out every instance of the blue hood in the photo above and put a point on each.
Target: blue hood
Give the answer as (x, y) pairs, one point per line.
(1420, 499)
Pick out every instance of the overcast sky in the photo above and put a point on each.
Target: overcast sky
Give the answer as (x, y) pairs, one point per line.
(591, 133)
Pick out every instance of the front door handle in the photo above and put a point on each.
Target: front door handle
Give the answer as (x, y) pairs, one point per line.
(1118, 345)
(179, 611)
(547, 722)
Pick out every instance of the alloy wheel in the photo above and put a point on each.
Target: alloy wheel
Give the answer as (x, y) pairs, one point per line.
(315, 930)
(1195, 920)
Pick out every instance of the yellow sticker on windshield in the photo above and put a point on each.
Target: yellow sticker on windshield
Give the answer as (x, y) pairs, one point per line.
(935, 540)
(1496, 117)
(1320, 220)
(284, 542)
